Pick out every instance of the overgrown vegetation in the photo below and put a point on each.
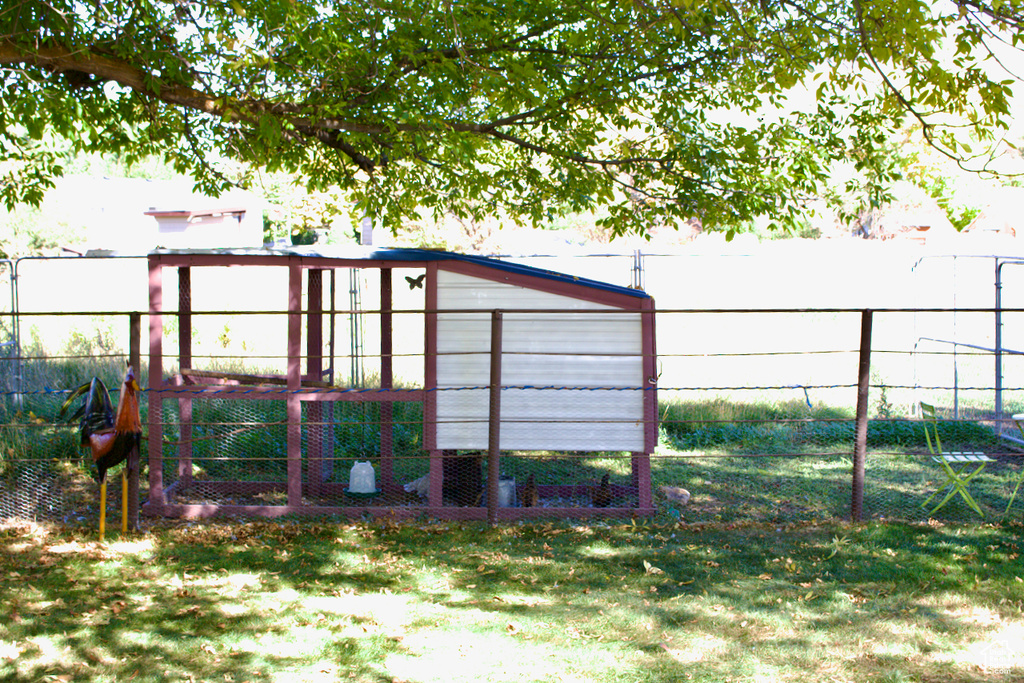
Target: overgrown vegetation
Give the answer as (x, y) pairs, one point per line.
(794, 427)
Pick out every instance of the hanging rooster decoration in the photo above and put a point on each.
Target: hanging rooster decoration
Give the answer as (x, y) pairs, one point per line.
(110, 436)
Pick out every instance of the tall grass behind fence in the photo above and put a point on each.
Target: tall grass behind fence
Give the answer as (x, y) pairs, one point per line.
(757, 412)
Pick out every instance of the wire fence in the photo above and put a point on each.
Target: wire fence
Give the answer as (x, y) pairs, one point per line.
(755, 416)
(747, 431)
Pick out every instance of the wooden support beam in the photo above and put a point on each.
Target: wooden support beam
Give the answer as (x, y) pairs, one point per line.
(386, 381)
(494, 419)
(293, 403)
(156, 380)
(184, 361)
(315, 442)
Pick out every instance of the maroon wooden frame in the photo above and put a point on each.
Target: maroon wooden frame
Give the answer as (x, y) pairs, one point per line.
(187, 389)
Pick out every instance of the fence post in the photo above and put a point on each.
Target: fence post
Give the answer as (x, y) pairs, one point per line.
(860, 445)
(999, 348)
(135, 360)
(494, 420)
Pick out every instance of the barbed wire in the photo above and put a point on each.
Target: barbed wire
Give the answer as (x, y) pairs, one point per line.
(209, 390)
(486, 352)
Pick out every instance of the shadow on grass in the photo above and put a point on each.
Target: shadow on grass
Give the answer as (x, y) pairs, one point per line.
(602, 602)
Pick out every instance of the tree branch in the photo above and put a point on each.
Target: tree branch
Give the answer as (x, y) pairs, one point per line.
(926, 127)
(60, 59)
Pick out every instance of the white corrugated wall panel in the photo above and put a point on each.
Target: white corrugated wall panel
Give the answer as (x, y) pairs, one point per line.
(582, 374)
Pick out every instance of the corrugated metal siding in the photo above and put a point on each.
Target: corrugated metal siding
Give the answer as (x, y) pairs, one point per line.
(572, 352)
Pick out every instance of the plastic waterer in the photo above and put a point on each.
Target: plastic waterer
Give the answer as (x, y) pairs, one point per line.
(362, 478)
(506, 492)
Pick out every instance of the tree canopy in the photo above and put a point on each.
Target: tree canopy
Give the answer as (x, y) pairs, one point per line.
(716, 109)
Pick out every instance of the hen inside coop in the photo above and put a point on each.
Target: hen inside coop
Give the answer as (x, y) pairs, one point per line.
(396, 381)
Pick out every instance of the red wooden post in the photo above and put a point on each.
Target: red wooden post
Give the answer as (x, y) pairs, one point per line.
(314, 371)
(155, 419)
(494, 420)
(185, 361)
(430, 385)
(642, 461)
(650, 375)
(386, 379)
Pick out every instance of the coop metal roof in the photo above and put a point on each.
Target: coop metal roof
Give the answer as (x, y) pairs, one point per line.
(519, 269)
(408, 255)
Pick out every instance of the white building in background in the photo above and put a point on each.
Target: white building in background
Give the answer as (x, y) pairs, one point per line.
(206, 228)
(1001, 216)
(135, 215)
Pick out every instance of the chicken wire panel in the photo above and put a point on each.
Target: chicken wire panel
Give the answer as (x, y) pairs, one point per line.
(236, 452)
(232, 451)
(46, 490)
(526, 480)
(347, 432)
(769, 489)
(44, 474)
(802, 470)
(567, 480)
(909, 486)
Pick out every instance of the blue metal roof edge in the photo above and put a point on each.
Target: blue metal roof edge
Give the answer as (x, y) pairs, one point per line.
(412, 254)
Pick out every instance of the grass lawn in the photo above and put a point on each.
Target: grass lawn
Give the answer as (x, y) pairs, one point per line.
(378, 601)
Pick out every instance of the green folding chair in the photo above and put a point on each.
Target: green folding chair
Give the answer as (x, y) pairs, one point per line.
(959, 467)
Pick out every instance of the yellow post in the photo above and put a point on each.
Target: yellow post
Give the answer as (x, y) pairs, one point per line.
(103, 508)
(124, 499)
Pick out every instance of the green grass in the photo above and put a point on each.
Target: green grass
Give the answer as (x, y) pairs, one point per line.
(378, 601)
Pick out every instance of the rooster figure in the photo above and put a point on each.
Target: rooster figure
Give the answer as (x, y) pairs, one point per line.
(109, 436)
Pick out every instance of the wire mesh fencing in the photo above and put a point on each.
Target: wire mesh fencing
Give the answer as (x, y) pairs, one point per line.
(43, 474)
(756, 417)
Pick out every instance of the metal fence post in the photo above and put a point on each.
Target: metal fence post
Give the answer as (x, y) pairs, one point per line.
(494, 420)
(999, 348)
(860, 445)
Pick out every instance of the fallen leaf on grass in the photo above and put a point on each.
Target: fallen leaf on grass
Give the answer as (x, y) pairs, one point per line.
(651, 569)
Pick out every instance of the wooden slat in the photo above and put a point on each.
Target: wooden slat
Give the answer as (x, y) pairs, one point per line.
(253, 380)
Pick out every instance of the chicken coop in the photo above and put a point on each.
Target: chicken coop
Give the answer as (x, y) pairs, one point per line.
(404, 382)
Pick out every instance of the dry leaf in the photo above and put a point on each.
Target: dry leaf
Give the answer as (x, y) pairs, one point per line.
(651, 569)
